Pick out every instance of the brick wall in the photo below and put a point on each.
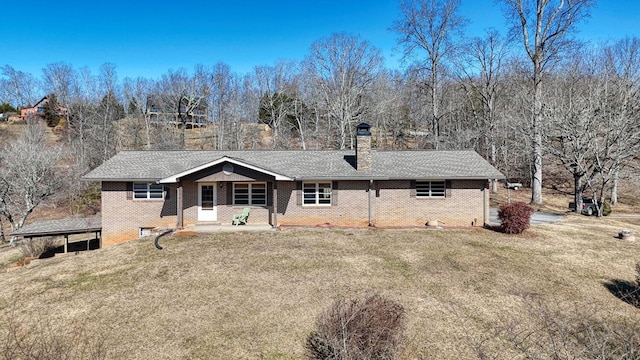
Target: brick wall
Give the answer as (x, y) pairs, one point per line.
(463, 205)
(351, 208)
(391, 205)
(123, 218)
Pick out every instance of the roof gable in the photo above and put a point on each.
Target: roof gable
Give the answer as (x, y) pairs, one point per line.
(176, 177)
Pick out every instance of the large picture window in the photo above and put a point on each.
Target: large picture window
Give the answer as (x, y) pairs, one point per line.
(250, 194)
(316, 193)
(148, 191)
(430, 189)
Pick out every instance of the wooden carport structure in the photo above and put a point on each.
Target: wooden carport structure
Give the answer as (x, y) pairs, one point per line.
(62, 227)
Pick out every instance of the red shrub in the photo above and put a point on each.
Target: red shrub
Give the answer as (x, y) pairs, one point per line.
(515, 217)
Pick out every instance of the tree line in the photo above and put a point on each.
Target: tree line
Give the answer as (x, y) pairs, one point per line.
(536, 95)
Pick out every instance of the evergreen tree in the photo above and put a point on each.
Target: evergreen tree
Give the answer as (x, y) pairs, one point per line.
(6, 108)
(110, 108)
(132, 109)
(52, 111)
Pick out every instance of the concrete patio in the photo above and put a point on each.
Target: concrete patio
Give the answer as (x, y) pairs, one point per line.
(210, 228)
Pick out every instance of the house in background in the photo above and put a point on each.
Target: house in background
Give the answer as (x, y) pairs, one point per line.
(38, 109)
(146, 189)
(161, 111)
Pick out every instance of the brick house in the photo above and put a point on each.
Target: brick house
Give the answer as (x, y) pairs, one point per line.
(159, 111)
(146, 189)
(38, 109)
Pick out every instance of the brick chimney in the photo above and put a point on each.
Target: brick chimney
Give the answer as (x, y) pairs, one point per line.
(363, 147)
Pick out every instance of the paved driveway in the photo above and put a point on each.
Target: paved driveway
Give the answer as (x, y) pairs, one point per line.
(537, 218)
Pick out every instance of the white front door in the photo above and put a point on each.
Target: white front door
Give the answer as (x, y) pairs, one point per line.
(207, 202)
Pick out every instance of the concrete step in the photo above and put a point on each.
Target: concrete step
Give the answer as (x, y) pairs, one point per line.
(207, 223)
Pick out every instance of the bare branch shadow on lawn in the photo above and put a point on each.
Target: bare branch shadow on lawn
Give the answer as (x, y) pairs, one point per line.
(627, 291)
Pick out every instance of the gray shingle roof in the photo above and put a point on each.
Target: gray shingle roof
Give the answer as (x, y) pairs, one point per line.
(59, 227)
(156, 165)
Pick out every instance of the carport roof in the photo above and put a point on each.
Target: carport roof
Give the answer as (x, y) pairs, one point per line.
(59, 227)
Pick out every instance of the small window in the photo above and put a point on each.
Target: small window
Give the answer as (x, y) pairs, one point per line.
(148, 191)
(430, 189)
(145, 231)
(316, 193)
(250, 194)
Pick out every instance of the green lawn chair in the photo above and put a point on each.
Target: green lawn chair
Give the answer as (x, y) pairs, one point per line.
(240, 218)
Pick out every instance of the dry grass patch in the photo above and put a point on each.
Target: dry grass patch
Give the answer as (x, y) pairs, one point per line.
(257, 295)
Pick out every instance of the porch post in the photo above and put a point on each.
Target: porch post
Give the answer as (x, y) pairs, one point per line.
(275, 203)
(179, 206)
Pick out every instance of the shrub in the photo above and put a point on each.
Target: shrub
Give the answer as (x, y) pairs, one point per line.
(365, 328)
(34, 247)
(638, 275)
(560, 330)
(515, 217)
(38, 338)
(606, 209)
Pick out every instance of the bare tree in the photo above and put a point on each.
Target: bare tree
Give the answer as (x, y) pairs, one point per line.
(220, 83)
(592, 110)
(58, 78)
(571, 111)
(389, 111)
(481, 73)
(93, 114)
(137, 91)
(18, 88)
(343, 68)
(29, 175)
(623, 68)
(182, 94)
(302, 114)
(544, 26)
(277, 105)
(429, 27)
(617, 143)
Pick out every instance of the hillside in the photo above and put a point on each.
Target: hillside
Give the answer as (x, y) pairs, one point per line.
(257, 295)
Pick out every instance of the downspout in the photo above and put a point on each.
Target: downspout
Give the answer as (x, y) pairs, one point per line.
(484, 206)
(155, 242)
(179, 205)
(369, 191)
(275, 204)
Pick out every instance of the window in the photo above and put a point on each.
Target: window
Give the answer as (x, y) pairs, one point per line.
(148, 191)
(145, 231)
(250, 194)
(429, 189)
(207, 197)
(316, 193)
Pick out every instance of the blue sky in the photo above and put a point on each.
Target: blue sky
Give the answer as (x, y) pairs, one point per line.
(147, 38)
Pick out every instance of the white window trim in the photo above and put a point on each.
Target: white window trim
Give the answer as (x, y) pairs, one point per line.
(147, 191)
(250, 187)
(317, 192)
(431, 195)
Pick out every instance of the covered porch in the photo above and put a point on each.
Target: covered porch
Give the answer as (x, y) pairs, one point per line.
(210, 195)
